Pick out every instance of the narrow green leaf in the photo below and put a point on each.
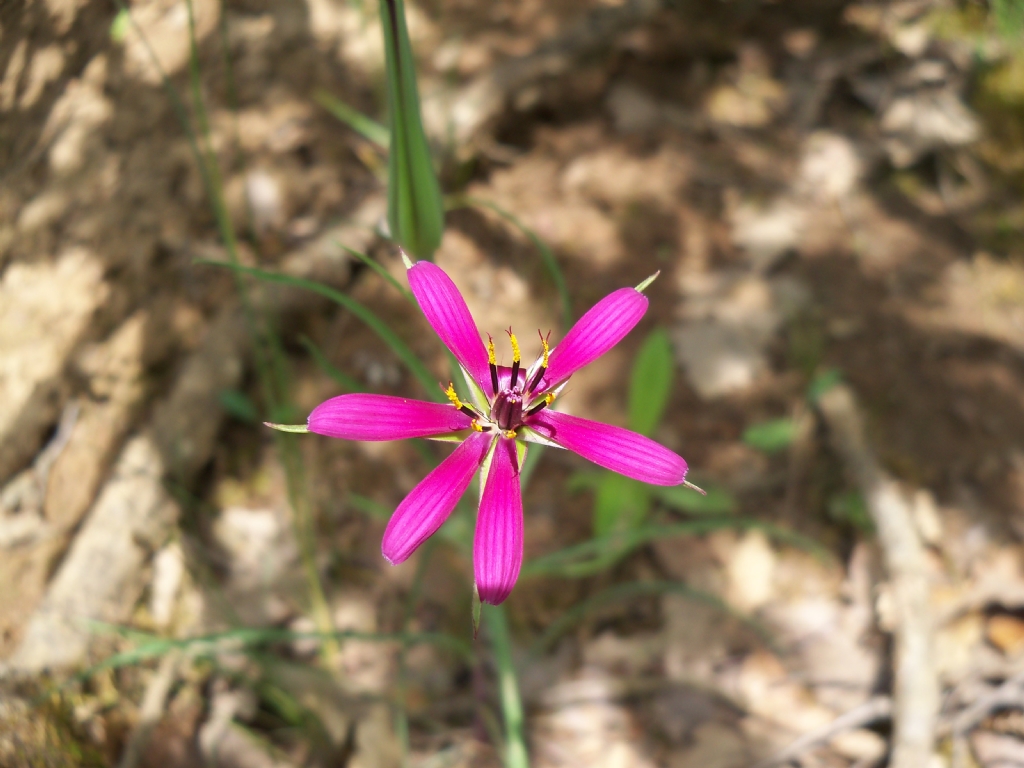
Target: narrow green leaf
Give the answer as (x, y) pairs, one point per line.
(621, 503)
(378, 326)
(343, 380)
(376, 267)
(770, 436)
(651, 383)
(365, 126)
(717, 501)
(415, 205)
(369, 507)
(239, 405)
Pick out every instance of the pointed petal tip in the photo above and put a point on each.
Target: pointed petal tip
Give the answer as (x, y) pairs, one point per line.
(646, 283)
(692, 487)
(409, 264)
(299, 429)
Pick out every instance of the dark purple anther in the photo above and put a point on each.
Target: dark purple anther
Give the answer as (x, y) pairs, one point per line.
(507, 410)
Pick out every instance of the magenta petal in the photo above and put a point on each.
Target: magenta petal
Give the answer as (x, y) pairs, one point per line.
(428, 505)
(604, 326)
(448, 315)
(382, 417)
(498, 544)
(613, 448)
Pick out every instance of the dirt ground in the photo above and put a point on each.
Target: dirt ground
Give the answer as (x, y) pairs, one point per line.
(831, 191)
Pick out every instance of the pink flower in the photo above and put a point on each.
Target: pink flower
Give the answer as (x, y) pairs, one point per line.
(509, 408)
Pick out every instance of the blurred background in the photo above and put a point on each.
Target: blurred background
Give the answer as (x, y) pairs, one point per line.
(832, 192)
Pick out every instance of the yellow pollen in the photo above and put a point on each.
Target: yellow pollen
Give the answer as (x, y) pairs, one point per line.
(547, 350)
(509, 433)
(515, 347)
(549, 398)
(476, 426)
(452, 396)
(490, 351)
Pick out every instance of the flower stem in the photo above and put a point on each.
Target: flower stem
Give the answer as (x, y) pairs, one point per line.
(508, 687)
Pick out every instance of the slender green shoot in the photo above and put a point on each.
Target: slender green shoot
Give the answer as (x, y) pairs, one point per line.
(340, 378)
(508, 686)
(379, 269)
(365, 126)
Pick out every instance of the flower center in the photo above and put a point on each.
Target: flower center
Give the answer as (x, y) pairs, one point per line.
(507, 409)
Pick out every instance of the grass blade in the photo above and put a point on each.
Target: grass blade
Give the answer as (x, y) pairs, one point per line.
(377, 325)
(365, 126)
(343, 380)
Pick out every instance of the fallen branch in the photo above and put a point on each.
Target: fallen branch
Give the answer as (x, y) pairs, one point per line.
(916, 686)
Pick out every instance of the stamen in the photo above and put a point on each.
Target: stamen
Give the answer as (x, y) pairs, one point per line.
(509, 433)
(493, 362)
(539, 374)
(516, 359)
(476, 426)
(450, 392)
(549, 398)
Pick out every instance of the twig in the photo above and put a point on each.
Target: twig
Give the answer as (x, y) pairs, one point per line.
(1009, 694)
(872, 710)
(152, 709)
(916, 686)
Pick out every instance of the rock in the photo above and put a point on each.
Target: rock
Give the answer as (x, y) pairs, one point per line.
(768, 233)
(718, 359)
(99, 578)
(861, 745)
(829, 165)
(916, 123)
(750, 568)
(45, 309)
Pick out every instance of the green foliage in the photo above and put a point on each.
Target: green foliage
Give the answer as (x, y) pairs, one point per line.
(770, 436)
(620, 503)
(716, 501)
(340, 378)
(822, 383)
(365, 126)
(651, 383)
(120, 25)
(415, 205)
(1009, 18)
(849, 508)
(239, 405)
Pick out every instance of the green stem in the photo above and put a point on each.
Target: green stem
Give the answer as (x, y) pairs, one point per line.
(508, 687)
